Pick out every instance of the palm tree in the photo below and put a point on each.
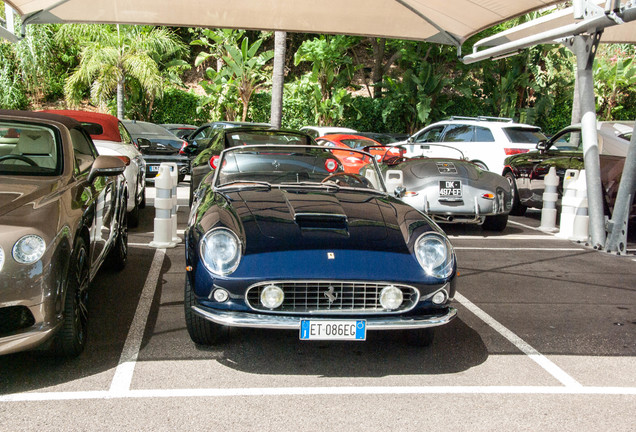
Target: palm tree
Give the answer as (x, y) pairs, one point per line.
(112, 54)
(278, 78)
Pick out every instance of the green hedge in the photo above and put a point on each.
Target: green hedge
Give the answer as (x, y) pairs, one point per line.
(179, 106)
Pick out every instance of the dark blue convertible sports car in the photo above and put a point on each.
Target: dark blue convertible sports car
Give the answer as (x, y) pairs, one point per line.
(281, 237)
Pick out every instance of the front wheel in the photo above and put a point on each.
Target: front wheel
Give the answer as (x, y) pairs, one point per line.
(71, 339)
(201, 331)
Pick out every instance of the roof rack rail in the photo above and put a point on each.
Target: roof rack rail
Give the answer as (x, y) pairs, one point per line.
(483, 118)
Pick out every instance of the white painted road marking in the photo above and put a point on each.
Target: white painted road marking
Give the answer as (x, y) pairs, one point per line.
(126, 367)
(317, 391)
(522, 345)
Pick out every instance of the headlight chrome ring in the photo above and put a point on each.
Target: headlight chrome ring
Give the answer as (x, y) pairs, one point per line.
(435, 254)
(220, 251)
(29, 249)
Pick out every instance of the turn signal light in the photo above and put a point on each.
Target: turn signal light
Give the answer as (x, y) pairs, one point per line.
(488, 196)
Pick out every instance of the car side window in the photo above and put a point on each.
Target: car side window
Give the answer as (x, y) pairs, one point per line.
(125, 136)
(569, 141)
(483, 134)
(84, 150)
(459, 133)
(430, 135)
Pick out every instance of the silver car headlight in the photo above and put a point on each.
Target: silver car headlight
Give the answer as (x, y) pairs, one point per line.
(435, 254)
(29, 249)
(220, 251)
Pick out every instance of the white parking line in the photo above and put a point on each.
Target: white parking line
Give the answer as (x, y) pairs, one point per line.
(318, 391)
(524, 225)
(522, 345)
(518, 249)
(505, 237)
(125, 368)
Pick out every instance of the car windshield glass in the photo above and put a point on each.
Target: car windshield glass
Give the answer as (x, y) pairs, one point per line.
(524, 135)
(241, 138)
(293, 166)
(358, 143)
(29, 150)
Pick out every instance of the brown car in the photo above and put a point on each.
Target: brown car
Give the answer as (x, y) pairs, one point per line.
(62, 214)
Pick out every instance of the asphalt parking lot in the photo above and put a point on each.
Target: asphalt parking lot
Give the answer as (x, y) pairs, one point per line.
(545, 339)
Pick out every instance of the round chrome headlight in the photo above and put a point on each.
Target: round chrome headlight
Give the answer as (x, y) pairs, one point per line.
(435, 254)
(29, 249)
(272, 296)
(391, 297)
(220, 251)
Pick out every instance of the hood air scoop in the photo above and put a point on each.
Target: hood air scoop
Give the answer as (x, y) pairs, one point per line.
(321, 221)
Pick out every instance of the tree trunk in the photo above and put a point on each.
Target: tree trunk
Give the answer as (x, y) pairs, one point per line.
(278, 78)
(120, 100)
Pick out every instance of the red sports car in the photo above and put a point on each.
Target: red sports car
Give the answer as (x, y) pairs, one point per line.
(351, 160)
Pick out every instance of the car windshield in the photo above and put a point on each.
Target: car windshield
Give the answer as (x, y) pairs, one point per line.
(243, 138)
(519, 135)
(292, 166)
(29, 150)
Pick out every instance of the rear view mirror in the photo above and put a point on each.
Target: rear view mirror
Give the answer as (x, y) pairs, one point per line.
(541, 145)
(106, 166)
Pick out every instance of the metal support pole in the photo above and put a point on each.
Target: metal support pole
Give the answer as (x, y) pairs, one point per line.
(584, 47)
(617, 226)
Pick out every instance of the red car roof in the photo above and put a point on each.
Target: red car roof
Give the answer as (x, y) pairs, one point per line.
(109, 123)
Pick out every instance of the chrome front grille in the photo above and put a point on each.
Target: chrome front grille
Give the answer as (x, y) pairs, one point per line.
(331, 297)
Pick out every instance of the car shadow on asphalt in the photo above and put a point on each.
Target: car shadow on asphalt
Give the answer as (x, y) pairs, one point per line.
(456, 348)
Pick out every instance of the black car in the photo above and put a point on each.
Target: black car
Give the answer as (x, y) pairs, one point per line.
(204, 153)
(158, 144)
(564, 150)
(201, 136)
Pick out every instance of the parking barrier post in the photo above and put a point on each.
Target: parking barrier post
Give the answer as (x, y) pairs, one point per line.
(162, 237)
(580, 227)
(174, 174)
(550, 197)
(568, 204)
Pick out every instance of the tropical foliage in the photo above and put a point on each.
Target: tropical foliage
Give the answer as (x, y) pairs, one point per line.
(196, 75)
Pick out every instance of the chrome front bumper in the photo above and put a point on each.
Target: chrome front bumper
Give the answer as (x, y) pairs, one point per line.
(244, 319)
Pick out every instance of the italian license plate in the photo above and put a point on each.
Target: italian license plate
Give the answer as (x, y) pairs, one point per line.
(153, 168)
(450, 188)
(333, 330)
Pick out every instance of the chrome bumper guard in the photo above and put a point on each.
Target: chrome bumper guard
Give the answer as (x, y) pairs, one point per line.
(245, 319)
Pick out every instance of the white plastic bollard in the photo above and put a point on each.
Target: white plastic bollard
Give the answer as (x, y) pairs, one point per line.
(163, 209)
(174, 174)
(568, 204)
(550, 197)
(580, 227)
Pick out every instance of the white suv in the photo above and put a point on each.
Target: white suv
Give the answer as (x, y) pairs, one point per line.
(486, 141)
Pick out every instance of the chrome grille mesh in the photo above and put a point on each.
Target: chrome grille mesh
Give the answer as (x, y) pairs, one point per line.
(303, 297)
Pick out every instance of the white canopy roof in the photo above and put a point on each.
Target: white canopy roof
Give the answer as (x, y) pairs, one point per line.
(445, 21)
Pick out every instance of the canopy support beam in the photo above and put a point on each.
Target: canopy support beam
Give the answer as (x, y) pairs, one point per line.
(584, 47)
(617, 226)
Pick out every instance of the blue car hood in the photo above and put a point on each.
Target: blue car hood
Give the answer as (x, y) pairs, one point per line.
(284, 219)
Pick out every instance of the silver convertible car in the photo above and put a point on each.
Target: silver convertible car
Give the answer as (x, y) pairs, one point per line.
(450, 189)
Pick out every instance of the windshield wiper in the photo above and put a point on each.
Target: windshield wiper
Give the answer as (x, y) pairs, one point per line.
(314, 184)
(245, 184)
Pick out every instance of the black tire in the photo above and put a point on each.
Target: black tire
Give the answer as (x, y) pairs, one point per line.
(118, 255)
(201, 331)
(71, 338)
(142, 203)
(420, 337)
(495, 223)
(517, 209)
